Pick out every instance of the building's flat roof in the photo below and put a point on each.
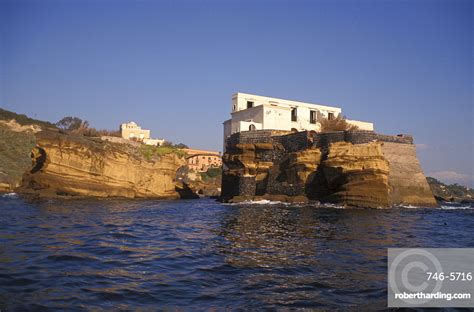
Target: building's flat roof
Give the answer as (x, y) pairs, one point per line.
(285, 101)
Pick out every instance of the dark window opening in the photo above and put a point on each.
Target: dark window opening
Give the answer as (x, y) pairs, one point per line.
(294, 114)
(249, 104)
(330, 116)
(252, 128)
(312, 117)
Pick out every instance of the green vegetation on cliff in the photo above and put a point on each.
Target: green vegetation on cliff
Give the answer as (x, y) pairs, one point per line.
(150, 151)
(211, 174)
(15, 150)
(452, 192)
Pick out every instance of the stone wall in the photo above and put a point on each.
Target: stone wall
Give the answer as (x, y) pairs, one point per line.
(238, 185)
(298, 141)
(295, 141)
(251, 137)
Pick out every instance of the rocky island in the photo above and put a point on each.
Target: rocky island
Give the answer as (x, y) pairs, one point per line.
(295, 151)
(353, 168)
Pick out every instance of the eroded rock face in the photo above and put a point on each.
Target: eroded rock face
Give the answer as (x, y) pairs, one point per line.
(373, 174)
(67, 165)
(357, 175)
(408, 185)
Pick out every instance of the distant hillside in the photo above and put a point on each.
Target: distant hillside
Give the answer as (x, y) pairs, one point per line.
(452, 192)
(23, 119)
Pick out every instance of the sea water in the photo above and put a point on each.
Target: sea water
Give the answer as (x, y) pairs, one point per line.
(200, 254)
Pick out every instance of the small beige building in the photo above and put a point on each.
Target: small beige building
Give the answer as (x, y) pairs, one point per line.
(133, 131)
(200, 160)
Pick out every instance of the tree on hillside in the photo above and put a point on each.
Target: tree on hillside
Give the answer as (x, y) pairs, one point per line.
(78, 126)
(181, 145)
(72, 123)
(170, 144)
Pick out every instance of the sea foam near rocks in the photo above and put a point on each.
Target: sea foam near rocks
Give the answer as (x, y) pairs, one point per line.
(9, 195)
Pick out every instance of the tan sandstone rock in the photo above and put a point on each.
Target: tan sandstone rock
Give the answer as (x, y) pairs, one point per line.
(408, 185)
(357, 175)
(67, 165)
(375, 174)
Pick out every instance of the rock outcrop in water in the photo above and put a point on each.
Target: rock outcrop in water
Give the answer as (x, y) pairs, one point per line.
(49, 163)
(356, 168)
(200, 184)
(70, 165)
(451, 192)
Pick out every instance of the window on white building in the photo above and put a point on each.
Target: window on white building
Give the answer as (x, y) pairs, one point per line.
(249, 104)
(252, 128)
(294, 114)
(312, 117)
(330, 116)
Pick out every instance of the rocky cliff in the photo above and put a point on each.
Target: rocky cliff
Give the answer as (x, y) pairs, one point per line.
(48, 163)
(70, 165)
(354, 168)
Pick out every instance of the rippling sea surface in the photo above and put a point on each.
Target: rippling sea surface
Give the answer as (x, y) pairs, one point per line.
(199, 254)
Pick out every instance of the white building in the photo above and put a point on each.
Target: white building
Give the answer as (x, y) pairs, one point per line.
(157, 142)
(254, 112)
(132, 131)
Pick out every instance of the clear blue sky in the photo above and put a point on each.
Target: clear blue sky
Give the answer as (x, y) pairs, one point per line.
(172, 66)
